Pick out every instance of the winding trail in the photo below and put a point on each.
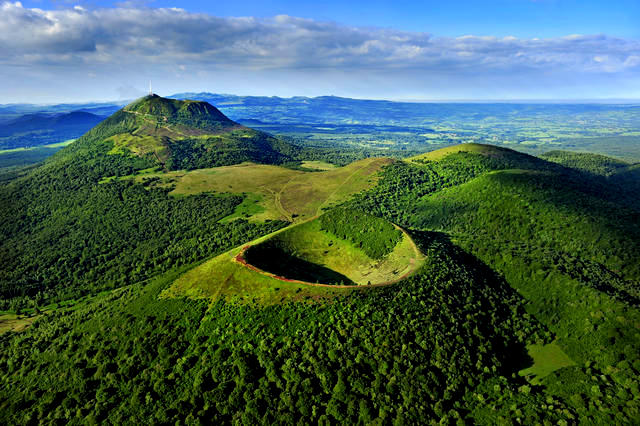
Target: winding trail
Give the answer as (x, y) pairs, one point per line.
(340, 186)
(154, 122)
(289, 215)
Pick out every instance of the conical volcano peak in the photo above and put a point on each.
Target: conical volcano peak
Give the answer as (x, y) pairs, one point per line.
(197, 114)
(177, 134)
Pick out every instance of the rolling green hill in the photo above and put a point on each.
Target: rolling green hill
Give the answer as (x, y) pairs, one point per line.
(475, 148)
(299, 262)
(567, 241)
(75, 236)
(190, 114)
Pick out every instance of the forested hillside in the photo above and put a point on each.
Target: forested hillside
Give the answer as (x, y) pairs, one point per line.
(75, 235)
(38, 129)
(568, 242)
(374, 236)
(591, 163)
(407, 352)
(522, 306)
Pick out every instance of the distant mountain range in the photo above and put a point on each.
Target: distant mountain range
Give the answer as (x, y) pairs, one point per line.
(573, 126)
(338, 110)
(60, 122)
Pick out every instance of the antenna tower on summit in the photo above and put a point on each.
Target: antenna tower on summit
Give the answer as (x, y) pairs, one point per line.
(150, 91)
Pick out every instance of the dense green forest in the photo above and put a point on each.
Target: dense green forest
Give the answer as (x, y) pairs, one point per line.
(231, 148)
(107, 236)
(403, 353)
(523, 256)
(551, 233)
(375, 236)
(591, 163)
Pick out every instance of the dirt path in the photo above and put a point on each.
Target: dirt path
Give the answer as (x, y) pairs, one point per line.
(340, 186)
(289, 215)
(276, 201)
(155, 123)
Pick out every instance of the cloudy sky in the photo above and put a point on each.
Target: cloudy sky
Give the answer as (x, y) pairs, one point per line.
(55, 51)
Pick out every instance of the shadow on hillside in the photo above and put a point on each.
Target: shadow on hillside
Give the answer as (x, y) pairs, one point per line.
(275, 260)
(512, 353)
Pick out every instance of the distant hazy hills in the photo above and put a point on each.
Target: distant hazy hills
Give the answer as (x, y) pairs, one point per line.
(531, 127)
(30, 122)
(40, 128)
(339, 110)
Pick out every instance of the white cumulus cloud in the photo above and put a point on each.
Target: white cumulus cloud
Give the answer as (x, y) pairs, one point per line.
(127, 39)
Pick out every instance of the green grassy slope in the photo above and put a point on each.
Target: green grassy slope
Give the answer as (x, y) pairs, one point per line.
(223, 278)
(491, 151)
(309, 252)
(303, 252)
(283, 193)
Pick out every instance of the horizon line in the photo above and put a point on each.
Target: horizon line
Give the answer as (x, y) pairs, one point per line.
(567, 101)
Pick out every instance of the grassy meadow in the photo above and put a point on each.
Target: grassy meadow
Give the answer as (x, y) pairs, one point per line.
(273, 192)
(546, 359)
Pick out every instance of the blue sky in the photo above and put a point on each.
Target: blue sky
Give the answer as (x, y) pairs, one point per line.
(520, 18)
(432, 50)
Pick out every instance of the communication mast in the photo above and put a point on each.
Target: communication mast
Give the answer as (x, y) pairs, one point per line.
(150, 91)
